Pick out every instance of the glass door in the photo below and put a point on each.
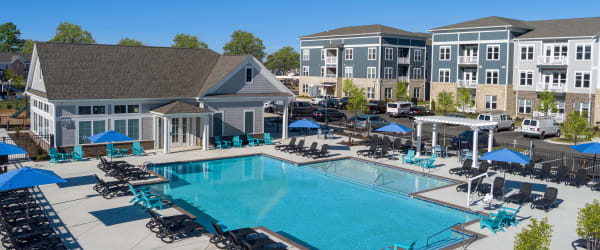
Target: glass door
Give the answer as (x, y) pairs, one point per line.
(175, 130)
(184, 130)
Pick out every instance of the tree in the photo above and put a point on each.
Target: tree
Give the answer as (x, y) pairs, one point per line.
(464, 98)
(402, 91)
(129, 42)
(588, 222)
(72, 33)
(285, 59)
(357, 102)
(445, 102)
(243, 42)
(9, 38)
(547, 102)
(15, 78)
(182, 40)
(577, 125)
(28, 46)
(537, 235)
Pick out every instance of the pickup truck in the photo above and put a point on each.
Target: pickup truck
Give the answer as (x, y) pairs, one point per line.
(297, 109)
(375, 107)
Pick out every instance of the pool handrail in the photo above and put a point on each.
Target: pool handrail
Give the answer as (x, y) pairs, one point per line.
(441, 231)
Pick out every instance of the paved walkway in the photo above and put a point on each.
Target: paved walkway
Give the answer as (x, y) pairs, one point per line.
(92, 222)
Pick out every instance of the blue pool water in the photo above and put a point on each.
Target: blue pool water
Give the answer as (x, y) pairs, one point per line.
(344, 204)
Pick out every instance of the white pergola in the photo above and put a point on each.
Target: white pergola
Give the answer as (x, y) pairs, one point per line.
(475, 125)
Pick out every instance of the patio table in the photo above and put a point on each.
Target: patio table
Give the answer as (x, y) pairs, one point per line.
(123, 151)
(419, 161)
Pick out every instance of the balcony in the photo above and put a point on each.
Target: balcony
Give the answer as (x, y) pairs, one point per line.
(404, 60)
(542, 86)
(403, 78)
(552, 60)
(331, 60)
(467, 83)
(468, 59)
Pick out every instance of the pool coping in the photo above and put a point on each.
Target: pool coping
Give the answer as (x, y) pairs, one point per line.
(415, 195)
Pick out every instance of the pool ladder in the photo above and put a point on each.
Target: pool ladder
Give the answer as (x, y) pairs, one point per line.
(331, 163)
(380, 176)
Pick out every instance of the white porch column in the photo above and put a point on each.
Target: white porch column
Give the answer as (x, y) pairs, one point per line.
(419, 132)
(284, 126)
(491, 140)
(156, 132)
(192, 132)
(475, 146)
(167, 135)
(205, 134)
(434, 138)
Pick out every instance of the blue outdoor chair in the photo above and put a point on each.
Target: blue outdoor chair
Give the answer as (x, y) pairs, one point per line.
(222, 144)
(77, 153)
(111, 151)
(268, 139)
(137, 149)
(237, 142)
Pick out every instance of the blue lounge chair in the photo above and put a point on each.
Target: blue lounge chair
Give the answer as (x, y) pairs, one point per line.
(151, 201)
(237, 142)
(55, 156)
(409, 158)
(429, 163)
(493, 222)
(253, 141)
(268, 139)
(510, 216)
(111, 151)
(77, 153)
(407, 247)
(221, 144)
(137, 148)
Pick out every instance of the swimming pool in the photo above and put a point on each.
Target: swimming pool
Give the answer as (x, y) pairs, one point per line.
(341, 204)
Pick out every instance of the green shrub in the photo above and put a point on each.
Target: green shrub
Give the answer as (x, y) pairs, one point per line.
(588, 220)
(536, 236)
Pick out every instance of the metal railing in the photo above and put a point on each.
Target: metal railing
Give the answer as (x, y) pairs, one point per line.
(543, 86)
(403, 78)
(403, 60)
(441, 231)
(552, 60)
(467, 83)
(8, 122)
(331, 60)
(468, 59)
(34, 144)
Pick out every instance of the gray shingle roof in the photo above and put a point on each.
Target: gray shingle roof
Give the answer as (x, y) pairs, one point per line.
(178, 107)
(486, 22)
(364, 29)
(77, 71)
(573, 27)
(8, 57)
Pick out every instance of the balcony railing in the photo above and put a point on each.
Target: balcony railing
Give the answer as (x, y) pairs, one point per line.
(467, 83)
(468, 59)
(330, 75)
(404, 60)
(543, 86)
(467, 109)
(331, 60)
(403, 78)
(552, 60)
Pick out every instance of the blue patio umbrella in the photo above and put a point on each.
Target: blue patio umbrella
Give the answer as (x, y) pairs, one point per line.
(10, 149)
(109, 136)
(304, 123)
(506, 155)
(394, 128)
(27, 177)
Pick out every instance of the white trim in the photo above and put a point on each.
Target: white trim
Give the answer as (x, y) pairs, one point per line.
(375, 69)
(253, 120)
(305, 55)
(583, 56)
(487, 52)
(307, 71)
(391, 54)
(440, 74)
(449, 53)
(519, 77)
(482, 27)
(554, 38)
(497, 77)
(520, 53)
(369, 53)
(469, 42)
(582, 74)
(420, 58)
(346, 50)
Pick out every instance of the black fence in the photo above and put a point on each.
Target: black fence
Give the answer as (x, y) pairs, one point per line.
(37, 146)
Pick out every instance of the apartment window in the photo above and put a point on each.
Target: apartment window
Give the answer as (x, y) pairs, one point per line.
(582, 109)
(524, 106)
(582, 79)
(445, 53)
(491, 101)
(584, 52)
(417, 73)
(370, 93)
(305, 54)
(348, 72)
(527, 53)
(133, 128)
(526, 78)
(120, 109)
(491, 77)
(493, 52)
(89, 128)
(444, 75)
(371, 72)
(418, 55)
(305, 70)
(323, 71)
(416, 92)
(248, 75)
(388, 72)
(322, 55)
(559, 78)
(305, 88)
(84, 110)
(349, 53)
(121, 126)
(389, 54)
(372, 54)
(388, 93)
(133, 108)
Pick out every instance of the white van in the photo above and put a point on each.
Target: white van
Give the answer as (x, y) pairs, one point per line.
(540, 127)
(504, 121)
(398, 109)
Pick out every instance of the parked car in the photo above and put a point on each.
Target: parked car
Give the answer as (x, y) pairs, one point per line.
(329, 103)
(465, 139)
(540, 127)
(342, 103)
(327, 115)
(362, 121)
(399, 109)
(504, 121)
(317, 99)
(375, 107)
(296, 109)
(270, 106)
(419, 111)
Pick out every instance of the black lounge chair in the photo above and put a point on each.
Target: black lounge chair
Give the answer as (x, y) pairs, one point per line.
(524, 194)
(397, 145)
(483, 168)
(321, 153)
(238, 243)
(474, 185)
(384, 152)
(304, 151)
(290, 144)
(101, 184)
(465, 167)
(528, 170)
(498, 188)
(169, 232)
(543, 173)
(154, 222)
(547, 201)
(366, 152)
(105, 165)
(562, 174)
(221, 237)
(295, 148)
(579, 179)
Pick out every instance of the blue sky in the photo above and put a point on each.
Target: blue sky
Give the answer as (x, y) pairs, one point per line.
(277, 23)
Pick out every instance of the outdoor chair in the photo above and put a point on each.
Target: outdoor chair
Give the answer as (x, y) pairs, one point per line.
(429, 162)
(77, 153)
(223, 237)
(498, 188)
(397, 145)
(296, 148)
(253, 141)
(544, 172)
(137, 148)
(523, 196)
(367, 152)
(492, 222)
(154, 222)
(169, 232)
(151, 201)
(410, 246)
(547, 201)
(237, 142)
(409, 158)
(268, 139)
(483, 168)
(290, 144)
(256, 243)
(220, 144)
(305, 151)
(474, 185)
(579, 179)
(510, 216)
(384, 152)
(55, 156)
(465, 168)
(137, 193)
(562, 174)
(112, 151)
(321, 153)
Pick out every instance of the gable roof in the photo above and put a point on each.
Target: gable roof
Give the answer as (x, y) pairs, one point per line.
(491, 21)
(9, 57)
(178, 107)
(94, 71)
(364, 29)
(572, 27)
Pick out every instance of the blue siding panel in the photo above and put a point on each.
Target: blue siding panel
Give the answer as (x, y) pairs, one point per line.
(445, 37)
(367, 40)
(468, 37)
(500, 35)
(437, 64)
(485, 64)
(359, 63)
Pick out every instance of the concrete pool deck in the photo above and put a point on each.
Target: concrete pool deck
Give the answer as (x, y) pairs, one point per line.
(91, 222)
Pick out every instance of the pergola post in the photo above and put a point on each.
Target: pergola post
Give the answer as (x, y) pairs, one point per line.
(205, 133)
(419, 132)
(434, 138)
(475, 146)
(156, 132)
(491, 140)
(167, 135)
(284, 126)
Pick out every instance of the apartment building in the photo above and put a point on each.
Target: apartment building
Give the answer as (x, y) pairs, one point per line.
(375, 57)
(507, 63)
